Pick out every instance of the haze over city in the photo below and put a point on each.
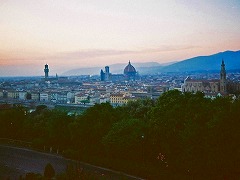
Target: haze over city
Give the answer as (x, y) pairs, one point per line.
(71, 34)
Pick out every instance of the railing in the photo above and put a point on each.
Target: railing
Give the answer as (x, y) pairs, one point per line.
(15, 142)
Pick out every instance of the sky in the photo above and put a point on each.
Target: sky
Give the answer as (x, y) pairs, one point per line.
(70, 34)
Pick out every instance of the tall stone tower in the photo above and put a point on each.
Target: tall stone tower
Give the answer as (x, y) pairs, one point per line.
(107, 73)
(223, 79)
(102, 75)
(46, 70)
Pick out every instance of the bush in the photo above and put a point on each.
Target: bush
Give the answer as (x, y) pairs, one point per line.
(71, 154)
(49, 172)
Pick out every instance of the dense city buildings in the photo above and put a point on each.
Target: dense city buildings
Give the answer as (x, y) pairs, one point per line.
(117, 89)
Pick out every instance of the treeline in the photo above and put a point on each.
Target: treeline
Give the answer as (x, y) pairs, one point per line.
(180, 135)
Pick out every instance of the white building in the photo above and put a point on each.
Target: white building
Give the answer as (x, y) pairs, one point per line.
(70, 97)
(44, 96)
(62, 97)
(79, 97)
(104, 100)
(22, 95)
(53, 97)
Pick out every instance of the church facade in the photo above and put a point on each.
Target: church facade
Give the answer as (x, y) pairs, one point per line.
(207, 86)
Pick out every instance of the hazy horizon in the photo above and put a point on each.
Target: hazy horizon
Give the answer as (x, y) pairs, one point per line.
(74, 34)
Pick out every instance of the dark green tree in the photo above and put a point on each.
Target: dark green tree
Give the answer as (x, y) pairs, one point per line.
(40, 108)
(89, 128)
(49, 171)
(125, 139)
(57, 127)
(12, 121)
(137, 109)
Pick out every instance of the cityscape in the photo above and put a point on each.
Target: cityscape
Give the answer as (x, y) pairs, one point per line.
(119, 90)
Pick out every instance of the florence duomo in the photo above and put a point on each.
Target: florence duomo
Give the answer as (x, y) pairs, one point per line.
(129, 73)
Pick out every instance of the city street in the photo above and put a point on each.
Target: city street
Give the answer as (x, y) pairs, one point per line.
(19, 161)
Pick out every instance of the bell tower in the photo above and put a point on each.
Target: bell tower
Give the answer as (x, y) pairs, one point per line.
(46, 70)
(223, 80)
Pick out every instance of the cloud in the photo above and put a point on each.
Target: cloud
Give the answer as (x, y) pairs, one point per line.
(163, 49)
(88, 57)
(95, 53)
(92, 53)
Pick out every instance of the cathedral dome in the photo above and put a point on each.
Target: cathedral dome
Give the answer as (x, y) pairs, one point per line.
(129, 69)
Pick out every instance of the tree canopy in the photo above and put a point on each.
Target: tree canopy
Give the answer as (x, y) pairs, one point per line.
(184, 133)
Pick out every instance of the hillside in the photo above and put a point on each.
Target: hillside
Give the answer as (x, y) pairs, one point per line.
(114, 68)
(206, 63)
(200, 63)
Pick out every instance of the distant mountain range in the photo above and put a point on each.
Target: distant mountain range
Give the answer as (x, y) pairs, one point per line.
(200, 63)
(114, 68)
(206, 63)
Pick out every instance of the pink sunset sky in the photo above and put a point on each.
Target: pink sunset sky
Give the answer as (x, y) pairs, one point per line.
(70, 34)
